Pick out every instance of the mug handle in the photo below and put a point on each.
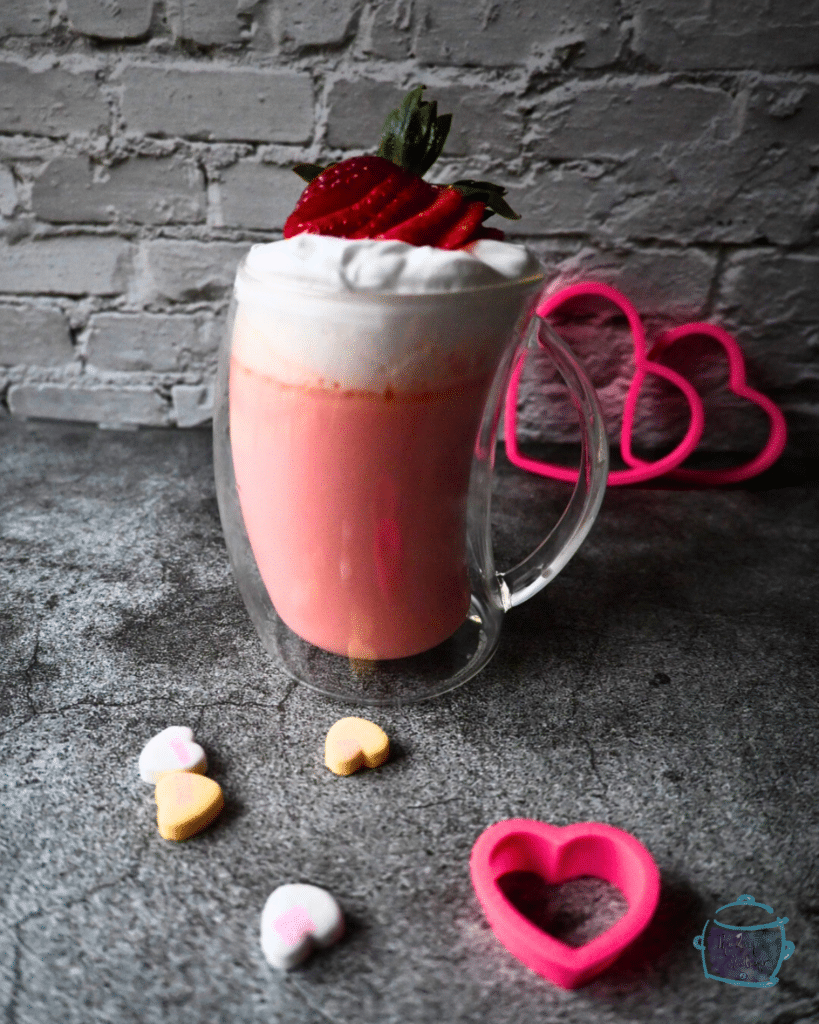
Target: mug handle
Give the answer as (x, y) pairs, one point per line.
(530, 576)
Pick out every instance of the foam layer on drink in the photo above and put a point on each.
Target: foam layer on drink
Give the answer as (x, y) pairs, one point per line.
(378, 315)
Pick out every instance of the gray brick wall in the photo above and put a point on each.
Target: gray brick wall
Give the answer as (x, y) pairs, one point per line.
(669, 147)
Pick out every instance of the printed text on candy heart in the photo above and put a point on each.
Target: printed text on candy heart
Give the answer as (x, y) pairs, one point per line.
(181, 751)
(293, 924)
(183, 792)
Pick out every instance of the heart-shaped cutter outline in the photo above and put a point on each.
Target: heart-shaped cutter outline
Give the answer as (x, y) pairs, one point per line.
(639, 471)
(738, 385)
(557, 855)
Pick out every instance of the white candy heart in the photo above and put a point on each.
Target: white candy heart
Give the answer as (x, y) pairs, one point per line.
(171, 750)
(295, 919)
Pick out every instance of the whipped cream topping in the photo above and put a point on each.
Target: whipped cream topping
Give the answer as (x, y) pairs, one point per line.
(315, 310)
(372, 265)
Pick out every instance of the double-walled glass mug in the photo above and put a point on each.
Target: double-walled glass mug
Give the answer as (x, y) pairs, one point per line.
(354, 440)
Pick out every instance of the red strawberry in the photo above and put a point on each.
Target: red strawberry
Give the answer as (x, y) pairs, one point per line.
(427, 226)
(386, 197)
(346, 196)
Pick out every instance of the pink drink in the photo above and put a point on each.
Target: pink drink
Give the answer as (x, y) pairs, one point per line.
(354, 503)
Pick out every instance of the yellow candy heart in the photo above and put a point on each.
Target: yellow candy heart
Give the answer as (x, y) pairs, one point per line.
(353, 742)
(186, 803)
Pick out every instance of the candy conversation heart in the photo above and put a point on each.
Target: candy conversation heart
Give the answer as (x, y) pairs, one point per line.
(171, 750)
(186, 803)
(354, 742)
(296, 918)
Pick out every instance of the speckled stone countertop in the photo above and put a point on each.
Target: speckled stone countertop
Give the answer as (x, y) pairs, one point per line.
(665, 683)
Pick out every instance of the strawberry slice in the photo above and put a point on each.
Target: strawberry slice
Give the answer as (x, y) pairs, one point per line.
(463, 230)
(425, 227)
(340, 187)
(414, 198)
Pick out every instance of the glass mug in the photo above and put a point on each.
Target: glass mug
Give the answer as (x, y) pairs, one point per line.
(356, 508)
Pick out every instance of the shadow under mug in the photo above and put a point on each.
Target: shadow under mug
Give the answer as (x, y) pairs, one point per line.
(358, 522)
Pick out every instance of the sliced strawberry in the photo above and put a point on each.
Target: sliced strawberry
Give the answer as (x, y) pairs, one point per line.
(425, 227)
(354, 221)
(416, 196)
(386, 197)
(340, 186)
(461, 232)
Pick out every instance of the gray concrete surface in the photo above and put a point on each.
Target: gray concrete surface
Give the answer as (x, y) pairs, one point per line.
(665, 683)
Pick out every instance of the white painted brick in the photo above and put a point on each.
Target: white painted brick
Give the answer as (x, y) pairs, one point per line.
(211, 338)
(192, 404)
(669, 282)
(207, 22)
(766, 287)
(758, 185)
(189, 271)
(51, 102)
(754, 34)
(8, 192)
(387, 30)
(560, 200)
(141, 341)
(110, 19)
(719, 193)
(34, 336)
(143, 190)
(618, 118)
(482, 121)
(314, 22)
(23, 17)
(254, 195)
(70, 265)
(112, 407)
(506, 34)
(213, 102)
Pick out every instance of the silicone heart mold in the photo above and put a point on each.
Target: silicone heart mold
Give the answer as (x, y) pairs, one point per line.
(557, 855)
(644, 365)
(737, 383)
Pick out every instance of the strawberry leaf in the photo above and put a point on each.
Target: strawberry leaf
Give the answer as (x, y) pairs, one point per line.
(310, 171)
(414, 134)
(489, 193)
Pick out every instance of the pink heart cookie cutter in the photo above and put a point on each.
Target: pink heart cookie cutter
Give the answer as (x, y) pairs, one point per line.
(558, 855)
(639, 471)
(738, 384)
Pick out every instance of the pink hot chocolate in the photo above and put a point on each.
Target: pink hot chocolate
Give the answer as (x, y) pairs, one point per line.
(355, 507)
(358, 374)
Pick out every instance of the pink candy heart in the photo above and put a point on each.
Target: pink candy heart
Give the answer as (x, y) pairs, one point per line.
(557, 855)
